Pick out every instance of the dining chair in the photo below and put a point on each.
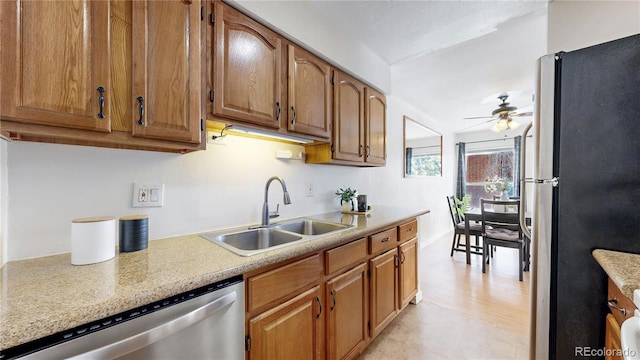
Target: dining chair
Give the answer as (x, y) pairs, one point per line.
(458, 225)
(500, 228)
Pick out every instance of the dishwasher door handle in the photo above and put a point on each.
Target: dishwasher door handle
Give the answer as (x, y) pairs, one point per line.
(159, 332)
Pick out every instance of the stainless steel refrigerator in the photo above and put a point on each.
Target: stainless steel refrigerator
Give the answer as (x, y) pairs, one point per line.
(587, 189)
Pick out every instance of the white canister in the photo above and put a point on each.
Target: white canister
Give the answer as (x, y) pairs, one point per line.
(93, 240)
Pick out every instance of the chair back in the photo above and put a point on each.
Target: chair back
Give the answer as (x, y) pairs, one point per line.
(455, 217)
(496, 218)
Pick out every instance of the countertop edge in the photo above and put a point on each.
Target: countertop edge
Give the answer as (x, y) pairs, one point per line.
(623, 269)
(13, 325)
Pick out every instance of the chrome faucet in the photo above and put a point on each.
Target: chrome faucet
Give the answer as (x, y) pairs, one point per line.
(265, 207)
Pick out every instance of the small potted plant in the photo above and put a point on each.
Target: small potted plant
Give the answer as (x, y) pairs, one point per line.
(347, 198)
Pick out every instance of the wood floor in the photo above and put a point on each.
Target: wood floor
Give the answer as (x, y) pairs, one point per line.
(464, 314)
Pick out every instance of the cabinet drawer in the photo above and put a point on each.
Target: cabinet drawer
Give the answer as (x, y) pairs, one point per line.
(407, 231)
(279, 283)
(345, 256)
(617, 299)
(383, 241)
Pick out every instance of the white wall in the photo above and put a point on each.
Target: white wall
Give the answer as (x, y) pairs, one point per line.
(223, 186)
(578, 24)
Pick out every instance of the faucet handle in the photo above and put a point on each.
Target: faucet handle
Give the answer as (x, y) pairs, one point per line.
(275, 214)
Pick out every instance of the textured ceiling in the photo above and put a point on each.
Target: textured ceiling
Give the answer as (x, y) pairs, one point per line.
(447, 56)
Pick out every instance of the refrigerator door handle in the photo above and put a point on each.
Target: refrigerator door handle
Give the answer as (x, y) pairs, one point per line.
(554, 181)
(523, 182)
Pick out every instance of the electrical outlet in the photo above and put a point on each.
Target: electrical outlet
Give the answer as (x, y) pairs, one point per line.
(147, 195)
(309, 189)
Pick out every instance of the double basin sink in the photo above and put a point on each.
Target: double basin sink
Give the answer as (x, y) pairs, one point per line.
(252, 241)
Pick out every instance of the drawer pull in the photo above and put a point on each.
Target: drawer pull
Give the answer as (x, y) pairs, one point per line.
(385, 239)
(320, 305)
(333, 296)
(613, 304)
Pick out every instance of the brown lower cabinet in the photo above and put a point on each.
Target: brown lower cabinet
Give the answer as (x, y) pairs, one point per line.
(621, 308)
(346, 313)
(288, 331)
(330, 304)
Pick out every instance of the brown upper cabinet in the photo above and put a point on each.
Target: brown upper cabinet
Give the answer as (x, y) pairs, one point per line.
(167, 70)
(348, 118)
(72, 73)
(359, 126)
(247, 69)
(55, 63)
(376, 127)
(309, 94)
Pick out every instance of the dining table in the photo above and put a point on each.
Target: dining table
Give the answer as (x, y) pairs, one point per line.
(475, 214)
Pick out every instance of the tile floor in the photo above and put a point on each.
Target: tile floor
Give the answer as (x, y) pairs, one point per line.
(437, 329)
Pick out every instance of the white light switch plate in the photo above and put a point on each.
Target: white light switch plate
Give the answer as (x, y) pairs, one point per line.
(147, 195)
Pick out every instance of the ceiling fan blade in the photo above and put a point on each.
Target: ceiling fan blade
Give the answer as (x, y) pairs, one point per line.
(522, 114)
(478, 117)
(478, 124)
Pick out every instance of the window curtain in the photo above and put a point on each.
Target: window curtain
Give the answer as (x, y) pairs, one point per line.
(462, 170)
(517, 150)
(407, 159)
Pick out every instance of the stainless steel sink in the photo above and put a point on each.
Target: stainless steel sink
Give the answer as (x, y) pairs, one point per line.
(248, 242)
(310, 226)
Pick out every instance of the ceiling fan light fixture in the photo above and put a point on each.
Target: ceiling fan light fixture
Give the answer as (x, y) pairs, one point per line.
(513, 124)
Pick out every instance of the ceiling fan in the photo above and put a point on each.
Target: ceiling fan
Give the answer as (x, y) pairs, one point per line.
(504, 114)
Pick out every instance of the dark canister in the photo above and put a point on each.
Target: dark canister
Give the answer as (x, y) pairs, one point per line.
(134, 233)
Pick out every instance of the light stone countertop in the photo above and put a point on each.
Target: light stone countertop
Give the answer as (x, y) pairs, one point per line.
(43, 296)
(623, 268)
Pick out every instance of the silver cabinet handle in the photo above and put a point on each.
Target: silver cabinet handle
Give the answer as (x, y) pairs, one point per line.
(613, 304)
(159, 332)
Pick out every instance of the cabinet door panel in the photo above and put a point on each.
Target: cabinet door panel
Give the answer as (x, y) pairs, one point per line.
(376, 115)
(408, 272)
(166, 70)
(348, 137)
(347, 317)
(383, 291)
(309, 94)
(55, 57)
(288, 331)
(247, 66)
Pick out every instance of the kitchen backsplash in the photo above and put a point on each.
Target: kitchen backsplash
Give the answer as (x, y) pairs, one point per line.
(223, 186)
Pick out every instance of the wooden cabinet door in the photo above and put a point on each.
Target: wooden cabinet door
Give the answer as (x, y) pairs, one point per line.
(612, 339)
(166, 70)
(407, 272)
(376, 127)
(383, 287)
(55, 63)
(288, 331)
(247, 69)
(348, 118)
(347, 313)
(309, 94)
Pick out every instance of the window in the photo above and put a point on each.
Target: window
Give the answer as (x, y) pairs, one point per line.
(426, 165)
(487, 164)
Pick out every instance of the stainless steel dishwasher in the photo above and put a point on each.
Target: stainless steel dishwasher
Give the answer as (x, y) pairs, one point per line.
(206, 323)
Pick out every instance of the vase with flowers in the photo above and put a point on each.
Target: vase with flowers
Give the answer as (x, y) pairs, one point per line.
(498, 185)
(347, 198)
